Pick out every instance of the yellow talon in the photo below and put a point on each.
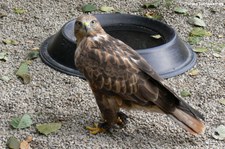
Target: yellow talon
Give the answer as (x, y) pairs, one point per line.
(95, 129)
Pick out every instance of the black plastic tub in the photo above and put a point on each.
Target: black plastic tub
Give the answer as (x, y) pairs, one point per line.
(168, 55)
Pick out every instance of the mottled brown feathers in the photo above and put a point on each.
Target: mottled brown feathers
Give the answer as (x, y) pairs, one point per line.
(120, 78)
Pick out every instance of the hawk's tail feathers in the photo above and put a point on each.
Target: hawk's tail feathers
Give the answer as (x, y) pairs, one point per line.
(188, 122)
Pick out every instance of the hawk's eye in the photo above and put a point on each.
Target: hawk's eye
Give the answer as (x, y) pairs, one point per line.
(93, 21)
(78, 23)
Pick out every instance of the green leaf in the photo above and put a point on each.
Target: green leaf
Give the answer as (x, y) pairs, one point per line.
(222, 101)
(199, 15)
(154, 4)
(3, 56)
(106, 9)
(10, 41)
(193, 72)
(200, 49)
(19, 10)
(194, 40)
(21, 122)
(89, 8)
(219, 133)
(217, 55)
(218, 48)
(23, 73)
(168, 3)
(13, 143)
(5, 78)
(157, 36)
(6, 41)
(199, 32)
(185, 93)
(48, 128)
(180, 10)
(196, 21)
(33, 55)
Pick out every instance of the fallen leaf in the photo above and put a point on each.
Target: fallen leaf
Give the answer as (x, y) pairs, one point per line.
(200, 50)
(180, 10)
(196, 21)
(218, 48)
(48, 128)
(199, 15)
(35, 49)
(13, 143)
(219, 133)
(222, 101)
(32, 55)
(168, 3)
(23, 73)
(213, 10)
(29, 139)
(194, 40)
(199, 32)
(193, 72)
(157, 36)
(19, 10)
(217, 55)
(24, 145)
(153, 15)
(6, 41)
(220, 36)
(3, 56)
(10, 41)
(185, 93)
(21, 122)
(3, 14)
(89, 8)
(5, 78)
(154, 4)
(106, 9)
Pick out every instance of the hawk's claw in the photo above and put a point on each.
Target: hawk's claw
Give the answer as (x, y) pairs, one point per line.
(122, 118)
(95, 129)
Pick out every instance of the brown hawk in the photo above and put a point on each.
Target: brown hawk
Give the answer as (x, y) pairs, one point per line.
(120, 78)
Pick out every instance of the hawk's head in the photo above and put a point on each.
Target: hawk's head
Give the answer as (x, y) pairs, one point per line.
(87, 25)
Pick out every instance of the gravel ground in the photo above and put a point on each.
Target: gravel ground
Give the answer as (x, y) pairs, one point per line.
(53, 96)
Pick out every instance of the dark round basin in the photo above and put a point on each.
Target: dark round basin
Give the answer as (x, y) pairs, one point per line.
(168, 54)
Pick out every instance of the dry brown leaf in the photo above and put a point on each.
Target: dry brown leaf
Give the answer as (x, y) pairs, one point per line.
(24, 145)
(29, 139)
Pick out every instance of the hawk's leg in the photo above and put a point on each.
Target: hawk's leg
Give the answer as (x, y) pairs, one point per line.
(109, 110)
(102, 127)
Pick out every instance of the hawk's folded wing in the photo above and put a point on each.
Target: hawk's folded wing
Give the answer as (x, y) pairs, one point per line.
(113, 66)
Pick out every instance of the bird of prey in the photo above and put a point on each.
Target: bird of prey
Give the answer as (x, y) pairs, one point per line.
(120, 78)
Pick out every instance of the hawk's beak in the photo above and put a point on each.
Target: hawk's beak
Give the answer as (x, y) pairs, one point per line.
(86, 26)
